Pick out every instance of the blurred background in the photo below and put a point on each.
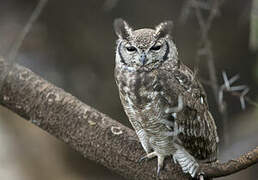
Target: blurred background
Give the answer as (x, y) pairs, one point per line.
(72, 45)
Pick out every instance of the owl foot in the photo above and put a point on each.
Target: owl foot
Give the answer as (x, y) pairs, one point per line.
(160, 164)
(160, 160)
(144, 158)
(147, 157)
(200, 176)
(186, 161)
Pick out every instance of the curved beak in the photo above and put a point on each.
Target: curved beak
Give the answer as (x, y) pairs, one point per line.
(143, 58)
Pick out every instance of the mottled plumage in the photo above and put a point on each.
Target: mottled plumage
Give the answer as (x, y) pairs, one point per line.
(162, 98)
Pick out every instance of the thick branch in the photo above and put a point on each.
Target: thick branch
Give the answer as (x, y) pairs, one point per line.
(93, 134)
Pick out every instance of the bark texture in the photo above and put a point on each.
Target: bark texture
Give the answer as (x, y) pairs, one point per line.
(93, 134)
(230, 167)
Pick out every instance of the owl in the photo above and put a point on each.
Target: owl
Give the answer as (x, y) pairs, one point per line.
(163, 99)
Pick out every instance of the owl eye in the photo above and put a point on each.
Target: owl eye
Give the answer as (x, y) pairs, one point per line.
(155, 47)
(131, 48)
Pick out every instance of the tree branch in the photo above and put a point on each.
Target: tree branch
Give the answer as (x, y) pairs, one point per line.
(93, 134)
(232, 166)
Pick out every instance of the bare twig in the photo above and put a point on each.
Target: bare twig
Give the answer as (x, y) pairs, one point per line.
(110, 4)
(233, 91)
(232, 166)
(18, 42)
(246, 98)
(93, 134)
(227, 87)
(205, 44)
(205, 49)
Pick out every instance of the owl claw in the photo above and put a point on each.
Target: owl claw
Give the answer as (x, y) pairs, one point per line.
(159, 168)
(160, 160)
(200, 176)
(144, 158)
(158, 172)
(160, 164)
(147, 157)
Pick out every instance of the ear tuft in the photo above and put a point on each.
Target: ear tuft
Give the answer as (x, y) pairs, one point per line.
(164, 29)
(122, 29)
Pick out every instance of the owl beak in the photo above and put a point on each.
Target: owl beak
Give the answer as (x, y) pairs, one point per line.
(143, 59)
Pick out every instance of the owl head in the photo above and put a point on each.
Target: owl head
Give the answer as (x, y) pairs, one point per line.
(144, 49)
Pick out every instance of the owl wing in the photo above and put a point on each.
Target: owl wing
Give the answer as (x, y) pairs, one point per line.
(195, 123)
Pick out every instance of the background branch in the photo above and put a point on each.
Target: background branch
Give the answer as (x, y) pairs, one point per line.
(33, 18)
(205, 21)
(232, 166)
(93, 134)
(20, 38)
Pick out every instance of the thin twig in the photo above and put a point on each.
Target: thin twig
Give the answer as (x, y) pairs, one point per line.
(18, 42)
(232, 91)
(247, 99)
(218, 169)
(205, 49)
(205, 44)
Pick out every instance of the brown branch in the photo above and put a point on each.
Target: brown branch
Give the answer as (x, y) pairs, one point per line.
(91, 133)
(232, 166)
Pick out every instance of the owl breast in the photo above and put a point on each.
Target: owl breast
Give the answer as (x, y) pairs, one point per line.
(140, 94)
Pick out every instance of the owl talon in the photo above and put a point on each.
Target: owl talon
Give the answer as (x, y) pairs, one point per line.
(200, 176)
(159, 168)
(147, 157)
(144, 158)
(160, 164)
(158, 172)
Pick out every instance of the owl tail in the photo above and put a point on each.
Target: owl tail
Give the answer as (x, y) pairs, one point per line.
(186, 161)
